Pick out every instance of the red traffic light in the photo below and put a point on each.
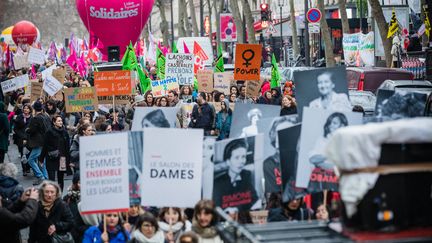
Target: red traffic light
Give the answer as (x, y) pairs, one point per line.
(264, 6)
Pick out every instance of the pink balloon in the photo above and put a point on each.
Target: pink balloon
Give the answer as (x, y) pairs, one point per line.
(114, 22)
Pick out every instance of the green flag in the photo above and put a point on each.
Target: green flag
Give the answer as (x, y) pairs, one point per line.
(219, 68)
(174, 48)
(195, 86)
(145, 81)
(275, 75)
(160, 64)
(129, 61)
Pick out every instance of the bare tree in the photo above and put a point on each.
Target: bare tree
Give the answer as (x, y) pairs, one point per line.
(293, 29)
(238, 21)
(249, 21)
(210, 17)
(164, 22)
(193, 17)
(378, 15)
(182, 10)
(187, 23)
(344, 17)
(325, 33)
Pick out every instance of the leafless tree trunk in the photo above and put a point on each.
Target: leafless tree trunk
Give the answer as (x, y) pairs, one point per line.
(344, 17)
(164, 23)
(187, 22)
(193, 17)
(294, 29)
(210, 20)
(378, 15)
(182, 10)
(249, 21)
(325, 33)
(238, 21)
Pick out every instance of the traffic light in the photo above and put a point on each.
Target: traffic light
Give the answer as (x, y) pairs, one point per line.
(264, 12)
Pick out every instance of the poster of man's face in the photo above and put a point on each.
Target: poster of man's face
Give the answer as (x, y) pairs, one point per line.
(318, 127)
(325, 88)
(393, 105)
(164, 117)
(246, 116)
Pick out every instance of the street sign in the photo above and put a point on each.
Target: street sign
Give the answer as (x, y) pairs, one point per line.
(313, 15)
(271, 29)
(314, 28)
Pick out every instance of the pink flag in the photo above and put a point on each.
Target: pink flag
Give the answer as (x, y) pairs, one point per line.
(186, 49)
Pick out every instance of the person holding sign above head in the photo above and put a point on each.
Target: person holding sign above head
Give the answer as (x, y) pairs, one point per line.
(329, 99)
(204, 222)
(147, 230)
(111, 230)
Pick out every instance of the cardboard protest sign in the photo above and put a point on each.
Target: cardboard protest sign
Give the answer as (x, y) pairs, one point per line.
(51, 85)
(36, 56)
(48, 72)
(253, 87)
(119, 99)
(117, 82)
(59, 74)
(36, 91)
(161, 87)
(172, 175)
(20, 61)
(154, 117)
(181, 67)
(80, 99)
(314, 171)
(222, 82)
(205, 80)
(247, 62)
(15, 83)
(104, 173)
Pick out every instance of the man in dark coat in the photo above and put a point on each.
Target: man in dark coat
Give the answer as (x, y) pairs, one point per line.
(4, 132)
(20, 215)
(203, 115)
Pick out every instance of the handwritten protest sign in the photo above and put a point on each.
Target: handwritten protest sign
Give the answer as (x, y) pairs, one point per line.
(48, 72)
(104, 173)
(113, 83)
(253, 87)
(181, 67)
(36, 56)
(222, 82)
(248, 62)
(36, 91)
(80, 99)
(20, 61)
(59, 74)
(205, 80)
(119, 99)
(161, 87)
(172, 175)
(51, 85)
(15, 83)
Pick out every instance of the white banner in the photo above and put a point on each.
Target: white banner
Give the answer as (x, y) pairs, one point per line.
(358, 49)
(172, 179)
(104, 173)
(20, 61)
(181, 67)
(48, 72)
(51, 85)
(36, 56)
(15, 83)
(367, 49)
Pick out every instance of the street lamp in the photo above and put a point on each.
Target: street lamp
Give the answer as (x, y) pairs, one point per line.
(281, 4)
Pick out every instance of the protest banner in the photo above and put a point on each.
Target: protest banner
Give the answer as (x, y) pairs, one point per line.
(51, 85)
(104, 173)
(36, 56)
(36, 91)
(205, 80)
(161, 87)
(248, 62)
(80, 99)
(113, 82)
(181, 67)
(119, 99)
(20, 61)
(59, 74)
(222, 82)
(172, 175)
(15, 83)
(253, 87)
(48, 72)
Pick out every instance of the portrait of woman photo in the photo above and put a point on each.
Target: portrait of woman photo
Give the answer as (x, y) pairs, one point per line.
(155, 118)
(328, 98)
(253, 115)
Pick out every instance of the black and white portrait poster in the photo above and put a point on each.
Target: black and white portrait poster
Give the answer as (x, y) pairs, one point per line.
(235, 184)
(270, 167)
(288, 149)
(246, 116)
(393, 105)
(314, 171)
(164, 117)
(325, 88)
(135, 146)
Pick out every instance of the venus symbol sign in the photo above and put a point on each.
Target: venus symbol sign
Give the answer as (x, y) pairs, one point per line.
(313, 15)
(114, 22)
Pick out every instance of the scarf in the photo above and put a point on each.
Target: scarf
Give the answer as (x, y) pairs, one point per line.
(158, 237)
(174, 228)
(206, 233)
(47, 207)
(26, 117)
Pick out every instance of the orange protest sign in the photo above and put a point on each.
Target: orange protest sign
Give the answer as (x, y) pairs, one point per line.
(247, 62)
(109, 83)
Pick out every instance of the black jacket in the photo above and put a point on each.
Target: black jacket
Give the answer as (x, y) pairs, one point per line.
(60, 216)
(203, 117)
(37, 129)
(20, 129)
(55, 139)
(17, 217)
(288, 111)
(279, 214)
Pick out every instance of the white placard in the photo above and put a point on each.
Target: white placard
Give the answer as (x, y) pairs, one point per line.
(20, 61)
(15, 83)
(181, 67)
(48, 72)
(51, 85)
(104, 173)
(36, 56)
(172, 179)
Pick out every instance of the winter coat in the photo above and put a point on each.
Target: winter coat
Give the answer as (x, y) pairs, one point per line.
(265, 101)
(10, 190)
(94, 233)
(60, 216)
(74, 151)
(55, 140)
(202, 117)
(72, 199)
(19, 216)
(20, 125)
(278, 214)
(4, 128)
(223, 126)
(288, 111)
(276, 99)
(36, 130)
